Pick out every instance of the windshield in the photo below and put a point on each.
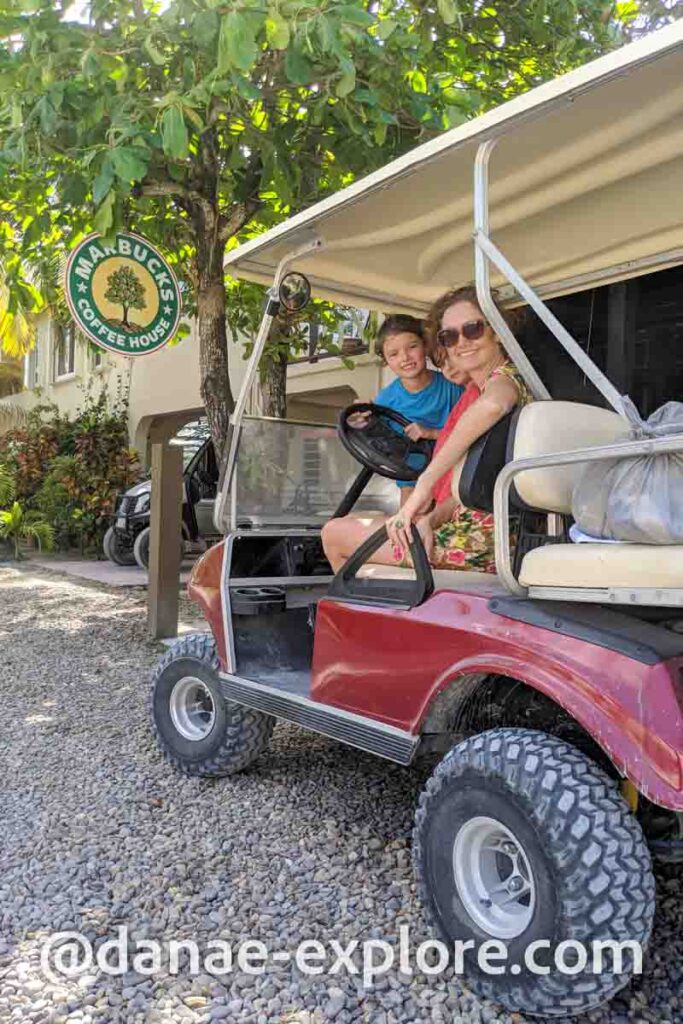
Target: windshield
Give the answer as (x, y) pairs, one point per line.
(296, 474)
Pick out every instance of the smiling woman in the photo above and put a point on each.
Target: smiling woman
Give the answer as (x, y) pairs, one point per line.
(455, 537)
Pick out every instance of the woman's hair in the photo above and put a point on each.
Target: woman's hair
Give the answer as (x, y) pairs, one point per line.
(398, 323)
(466, 293)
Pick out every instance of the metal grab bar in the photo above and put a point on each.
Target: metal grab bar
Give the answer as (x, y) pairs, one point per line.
(501, 492)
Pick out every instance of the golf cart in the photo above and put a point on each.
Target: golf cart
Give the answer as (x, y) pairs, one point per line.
(553, 690)
(126, 542)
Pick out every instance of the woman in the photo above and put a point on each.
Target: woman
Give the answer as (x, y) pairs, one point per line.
(454, 536)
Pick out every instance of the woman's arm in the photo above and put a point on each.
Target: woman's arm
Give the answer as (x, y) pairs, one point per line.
(441, 513)
(499, 397)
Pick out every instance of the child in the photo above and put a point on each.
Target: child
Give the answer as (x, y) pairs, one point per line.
(423, 396)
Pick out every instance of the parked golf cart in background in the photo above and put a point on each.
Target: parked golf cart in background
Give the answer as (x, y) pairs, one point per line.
(551, 691)
(126, 542)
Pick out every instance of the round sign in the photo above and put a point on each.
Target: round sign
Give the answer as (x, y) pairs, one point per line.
(123, 296)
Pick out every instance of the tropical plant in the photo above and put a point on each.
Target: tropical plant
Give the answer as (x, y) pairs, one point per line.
(70, 470)
(7, 487)
(195, 121)
(16, 526)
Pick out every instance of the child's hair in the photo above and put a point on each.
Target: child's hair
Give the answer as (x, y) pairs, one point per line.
(398, 323)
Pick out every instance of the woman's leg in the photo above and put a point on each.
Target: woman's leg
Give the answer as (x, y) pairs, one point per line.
(341, 537)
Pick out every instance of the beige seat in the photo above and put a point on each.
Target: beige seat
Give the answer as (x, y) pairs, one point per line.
(546, 427)
(600, 566)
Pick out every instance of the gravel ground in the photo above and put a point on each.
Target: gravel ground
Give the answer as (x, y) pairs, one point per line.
(312, 842)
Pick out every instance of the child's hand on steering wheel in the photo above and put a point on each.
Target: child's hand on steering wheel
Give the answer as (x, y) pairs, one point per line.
(416, 432)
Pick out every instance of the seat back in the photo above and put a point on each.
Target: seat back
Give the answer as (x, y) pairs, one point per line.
(474, 476)
(548, 426)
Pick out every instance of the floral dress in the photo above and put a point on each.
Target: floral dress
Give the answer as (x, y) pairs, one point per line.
(466, 541)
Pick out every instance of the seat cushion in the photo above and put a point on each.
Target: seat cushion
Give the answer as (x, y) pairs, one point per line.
(604, 565)
(554, 426)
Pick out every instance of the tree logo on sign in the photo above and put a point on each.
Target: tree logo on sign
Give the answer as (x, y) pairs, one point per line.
(125, 288)
(123, 295)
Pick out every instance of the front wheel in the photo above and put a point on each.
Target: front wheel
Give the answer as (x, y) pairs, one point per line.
(521, 838)
(118, 547)
(199, 731)
(141, 548)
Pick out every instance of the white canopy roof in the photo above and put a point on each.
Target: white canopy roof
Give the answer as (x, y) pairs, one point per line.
(586, 186)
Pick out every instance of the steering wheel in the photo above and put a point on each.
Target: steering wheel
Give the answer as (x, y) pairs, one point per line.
(380, 447)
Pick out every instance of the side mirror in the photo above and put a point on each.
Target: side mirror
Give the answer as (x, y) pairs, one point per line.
(295, 291)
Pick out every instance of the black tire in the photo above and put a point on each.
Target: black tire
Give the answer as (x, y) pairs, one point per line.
(238, 734)
(590, 865)
(141, 548)
(118, 547)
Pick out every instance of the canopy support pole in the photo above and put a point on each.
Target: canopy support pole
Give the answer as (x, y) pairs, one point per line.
(481, 274)
(486, 250)
(271, 310)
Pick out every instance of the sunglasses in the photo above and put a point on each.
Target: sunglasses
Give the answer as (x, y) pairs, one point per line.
(471, 330)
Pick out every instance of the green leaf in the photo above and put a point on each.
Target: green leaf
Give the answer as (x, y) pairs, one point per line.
(103, 182)
(346, 84)
(205, 26)
(448, 9)
(355, 15)
(455, 116)
(246, 88)
(380, 134)
(174, 133)
(16, 112)
(297, 68)
(386, 27)
(236, 44)
(130, 162)
(155, 54)
(104, 218)
(277, 31)
(47, 115)
(90, 65)
(74, 190)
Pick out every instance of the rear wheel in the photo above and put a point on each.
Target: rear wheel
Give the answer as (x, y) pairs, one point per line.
(118, 547)
(199, 731)
(521, 838)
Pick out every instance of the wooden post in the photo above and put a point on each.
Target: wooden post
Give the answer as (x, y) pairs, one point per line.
(165, 544)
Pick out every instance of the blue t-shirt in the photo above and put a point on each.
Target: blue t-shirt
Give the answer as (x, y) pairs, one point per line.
(429, 407)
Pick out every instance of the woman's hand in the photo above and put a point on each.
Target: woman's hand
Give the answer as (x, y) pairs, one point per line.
(399, 527)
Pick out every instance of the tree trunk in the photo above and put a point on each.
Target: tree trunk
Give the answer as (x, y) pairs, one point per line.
(213, 347)
(274, 386)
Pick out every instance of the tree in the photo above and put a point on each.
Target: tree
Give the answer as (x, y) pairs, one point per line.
(188, 120)
(289, 335)
(125, 289)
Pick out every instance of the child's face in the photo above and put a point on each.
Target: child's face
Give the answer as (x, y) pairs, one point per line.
(452, 368)
(405, 354)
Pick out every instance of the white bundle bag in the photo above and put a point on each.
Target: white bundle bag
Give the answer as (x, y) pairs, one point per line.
(640, 498)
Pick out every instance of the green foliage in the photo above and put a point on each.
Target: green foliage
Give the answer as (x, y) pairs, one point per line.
(16, 526)
(69, 471)
(289, 335)
(193, 121)
(7, 486)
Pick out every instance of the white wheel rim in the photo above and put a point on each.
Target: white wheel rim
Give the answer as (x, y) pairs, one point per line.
(493, 877)
(192, 709)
